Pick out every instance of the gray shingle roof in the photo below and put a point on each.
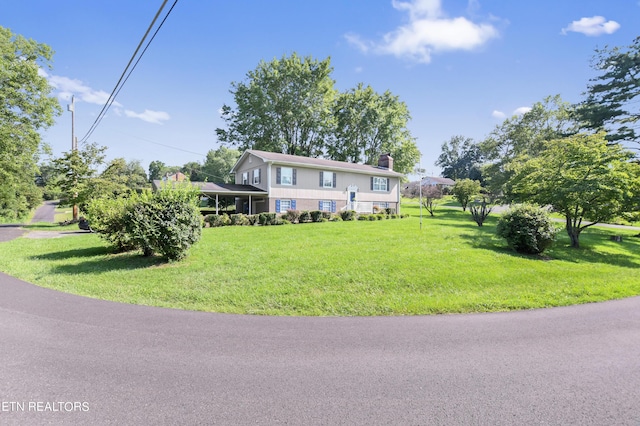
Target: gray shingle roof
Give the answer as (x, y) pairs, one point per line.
(287, 159)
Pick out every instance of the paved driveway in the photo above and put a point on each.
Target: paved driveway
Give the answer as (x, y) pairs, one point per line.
(98, 362)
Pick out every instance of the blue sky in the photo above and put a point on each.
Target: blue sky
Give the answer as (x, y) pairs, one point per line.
(461, 66)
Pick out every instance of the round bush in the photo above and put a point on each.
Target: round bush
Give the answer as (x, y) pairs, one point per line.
(527, 229)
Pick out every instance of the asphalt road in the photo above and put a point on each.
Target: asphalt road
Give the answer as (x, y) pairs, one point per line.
(99, 362)
(45, 213)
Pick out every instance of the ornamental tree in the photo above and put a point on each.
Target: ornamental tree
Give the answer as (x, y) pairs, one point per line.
(463, 190)
(582, 177)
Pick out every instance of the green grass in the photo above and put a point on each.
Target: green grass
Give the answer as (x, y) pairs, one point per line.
(386, 267)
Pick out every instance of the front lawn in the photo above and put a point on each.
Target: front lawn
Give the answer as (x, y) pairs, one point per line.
(388, 267)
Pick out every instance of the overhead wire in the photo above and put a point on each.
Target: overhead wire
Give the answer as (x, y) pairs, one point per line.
(127, 72)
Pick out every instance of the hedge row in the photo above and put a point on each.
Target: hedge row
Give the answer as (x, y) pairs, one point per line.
(292, 216)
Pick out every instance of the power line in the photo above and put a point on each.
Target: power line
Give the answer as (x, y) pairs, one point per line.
(126, 73)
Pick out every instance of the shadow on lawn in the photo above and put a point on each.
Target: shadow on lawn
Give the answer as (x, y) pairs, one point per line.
(485, 238)
(100, 259)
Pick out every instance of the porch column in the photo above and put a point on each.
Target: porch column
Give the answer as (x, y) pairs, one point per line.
(249, 204)
(216, 203)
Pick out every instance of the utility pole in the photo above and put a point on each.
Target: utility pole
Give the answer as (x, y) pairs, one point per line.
(74, 143)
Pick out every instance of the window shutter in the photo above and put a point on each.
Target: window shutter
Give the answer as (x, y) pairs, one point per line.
(372, 183)
(277, 206)
(335, 179)
(321, 185)
(293, 204)
(278, 175)
(294, 177)
(333, 206)
(259, 176)
(320, 205)
(388, 188)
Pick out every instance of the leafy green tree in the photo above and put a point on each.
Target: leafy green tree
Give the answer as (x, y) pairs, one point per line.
(156, 170)
(523, 135)
(368, 124)
(128, 174)
(612, 98)
(464, 190)
(460, 158)
(26, 107)
(219, 163)
(582, 177)
(283, 106)
(76, 169)
(193, 170)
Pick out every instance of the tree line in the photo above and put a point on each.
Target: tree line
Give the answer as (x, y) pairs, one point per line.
(580, 159)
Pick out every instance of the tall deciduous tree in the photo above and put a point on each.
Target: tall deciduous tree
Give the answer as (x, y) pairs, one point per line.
(612, 97)
(582, 177)
(289, 105)
(130, 174)
(218, 165)
(460, 158)
(25, 109)
(368, 124)
(76, 169)
(283, 106)
(524, 135)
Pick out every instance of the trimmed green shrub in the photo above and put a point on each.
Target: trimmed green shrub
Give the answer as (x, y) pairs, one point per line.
(527, 229)
(363, 217)
(167, 221)
(305, 216)
(217, 220)
(252, 219)
(107, 216)
(326, 215)
(292, 216)
(348, 214)
(372, 217)
(239, 219)
(266, 219)
(316, 216)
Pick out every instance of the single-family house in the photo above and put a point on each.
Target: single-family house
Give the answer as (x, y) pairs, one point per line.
(441, 182)
(303, 183)
(275, 182)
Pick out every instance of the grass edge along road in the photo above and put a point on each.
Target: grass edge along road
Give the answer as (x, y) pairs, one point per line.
(388, 267)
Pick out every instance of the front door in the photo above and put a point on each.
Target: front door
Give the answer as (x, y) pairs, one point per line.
(353, 198)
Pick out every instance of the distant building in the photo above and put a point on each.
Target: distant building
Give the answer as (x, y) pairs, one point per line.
(438, 181)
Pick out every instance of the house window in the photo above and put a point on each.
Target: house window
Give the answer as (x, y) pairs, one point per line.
(381, 205)
(379, 184)
(327, 179)
(256, 176)
(325, 206)
(285, 176)
(245, 178)
(283, 205)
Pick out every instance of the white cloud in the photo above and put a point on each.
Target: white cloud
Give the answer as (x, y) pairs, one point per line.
(428, 31)
(593, 26)
(156, 117)
(521, 110)
(68, 87)
(518, 111)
